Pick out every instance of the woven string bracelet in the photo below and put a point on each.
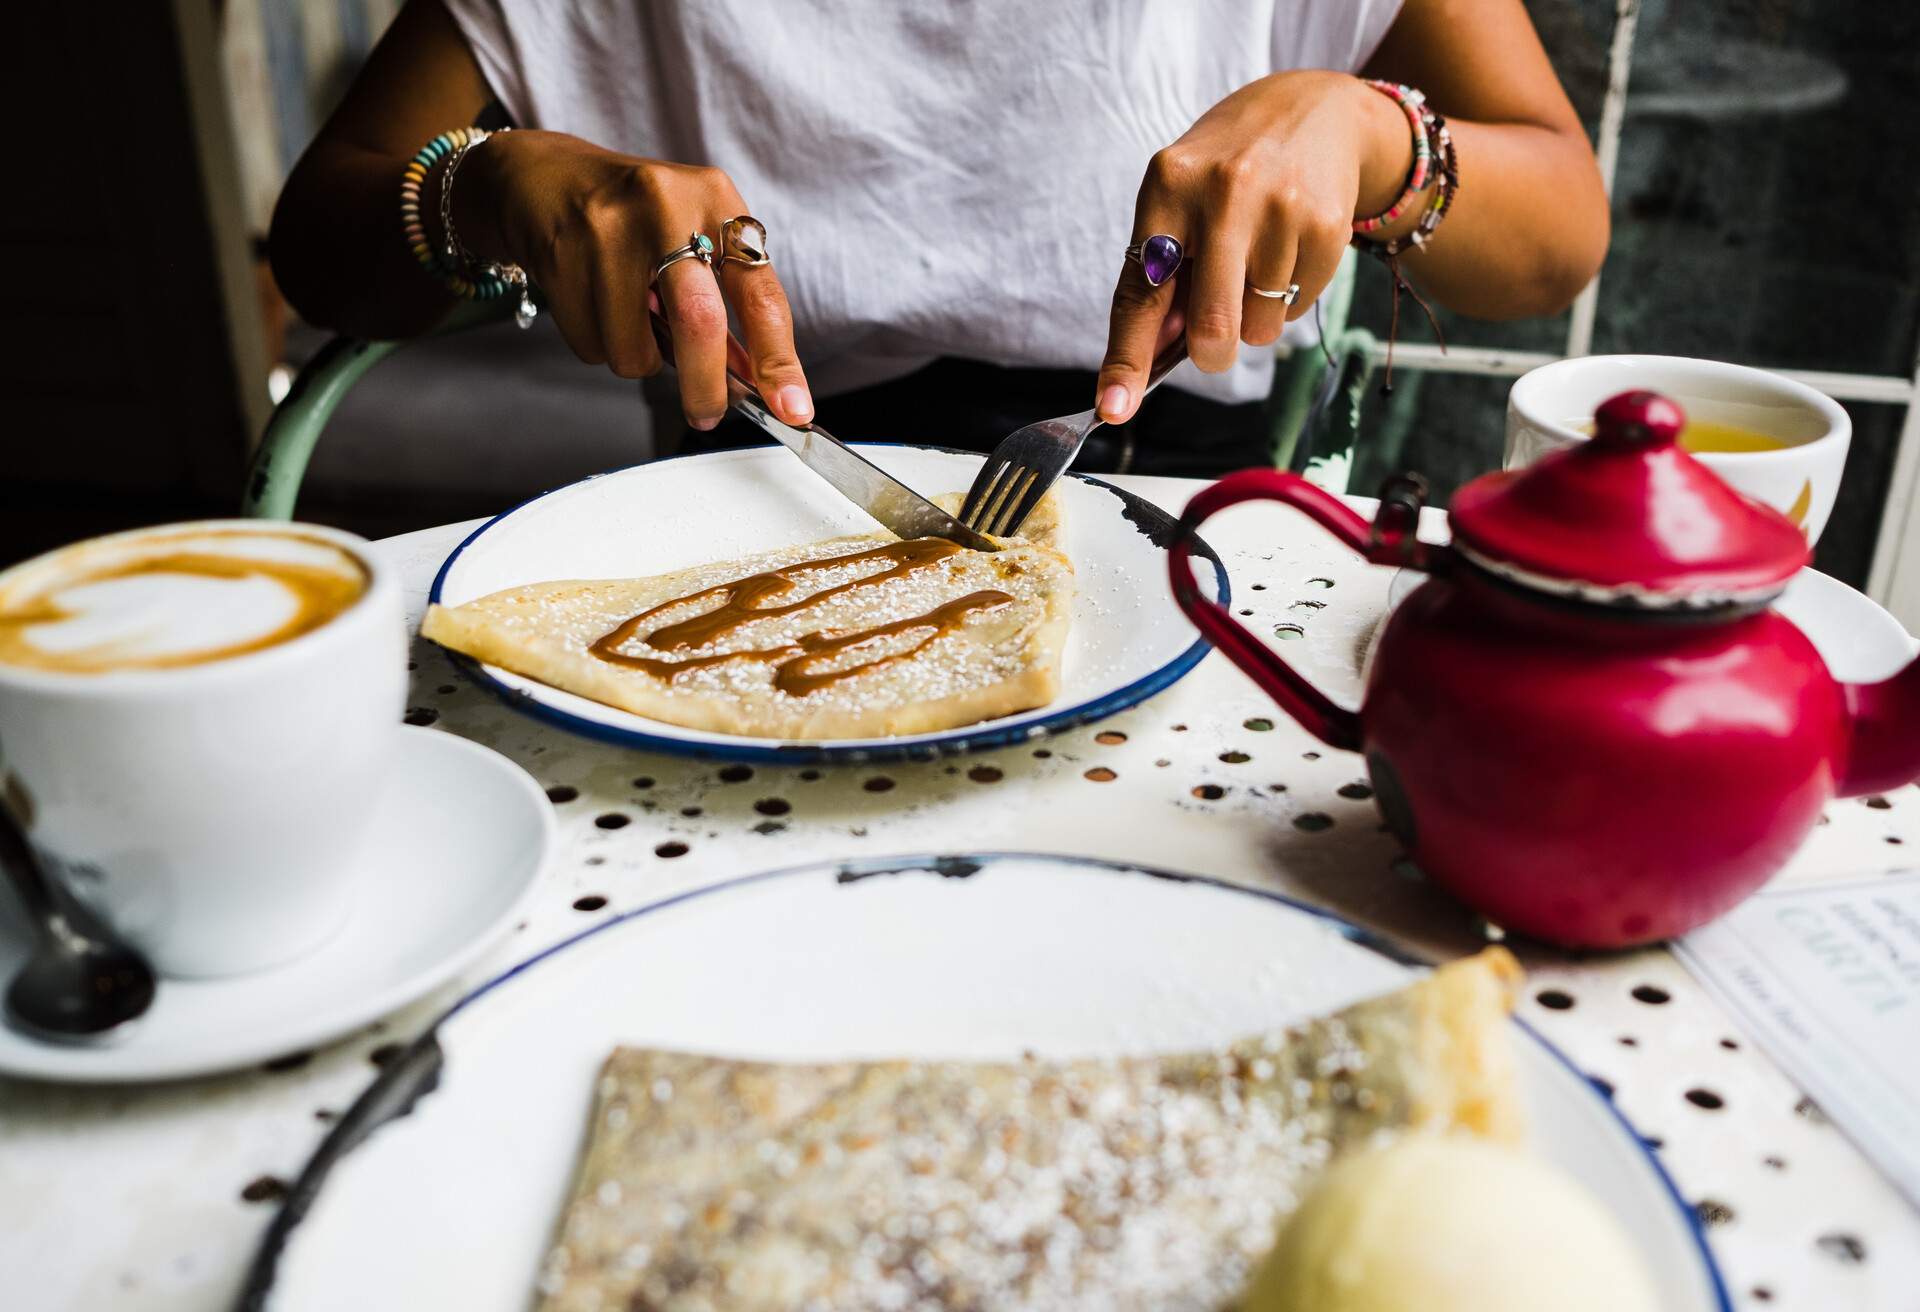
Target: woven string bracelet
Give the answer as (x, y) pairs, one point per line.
(1412, 103)
(1447, 185)
(1446, 178)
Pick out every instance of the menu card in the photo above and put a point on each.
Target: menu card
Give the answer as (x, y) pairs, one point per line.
(1826, 978)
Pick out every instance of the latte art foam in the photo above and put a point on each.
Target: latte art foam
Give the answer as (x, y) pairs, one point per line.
(170, 599)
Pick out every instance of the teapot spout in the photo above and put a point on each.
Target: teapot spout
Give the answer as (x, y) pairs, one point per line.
(1885, 751)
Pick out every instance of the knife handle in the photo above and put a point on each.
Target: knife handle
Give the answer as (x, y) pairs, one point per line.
(740, 392)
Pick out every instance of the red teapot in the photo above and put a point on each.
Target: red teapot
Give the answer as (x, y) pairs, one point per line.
(1587, 723)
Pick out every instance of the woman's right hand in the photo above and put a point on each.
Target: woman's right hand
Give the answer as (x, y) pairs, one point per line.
(589, 225)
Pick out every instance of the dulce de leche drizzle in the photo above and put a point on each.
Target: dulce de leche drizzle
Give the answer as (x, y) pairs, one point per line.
(740, 603)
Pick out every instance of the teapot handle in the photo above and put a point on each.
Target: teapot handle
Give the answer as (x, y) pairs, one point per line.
(1388, 539)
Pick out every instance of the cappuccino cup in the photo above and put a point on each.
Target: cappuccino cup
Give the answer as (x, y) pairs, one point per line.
(195, 723)
(1790, 441)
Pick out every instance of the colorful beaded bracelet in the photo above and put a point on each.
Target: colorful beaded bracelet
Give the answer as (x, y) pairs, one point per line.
(1412, 103)
(441, 262)
(1447, 186)
(1439, 147)
(451, 262)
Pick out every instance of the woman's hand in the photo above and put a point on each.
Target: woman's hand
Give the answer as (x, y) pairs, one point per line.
(1263, 190)
(589, 225)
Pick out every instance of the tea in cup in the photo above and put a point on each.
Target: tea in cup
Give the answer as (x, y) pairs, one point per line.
(195, 721)
(1778, 441)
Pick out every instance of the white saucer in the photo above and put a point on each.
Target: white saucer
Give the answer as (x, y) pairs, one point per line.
(458, 840)
(1856, 636)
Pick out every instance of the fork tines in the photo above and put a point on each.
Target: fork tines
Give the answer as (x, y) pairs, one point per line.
(998, 501)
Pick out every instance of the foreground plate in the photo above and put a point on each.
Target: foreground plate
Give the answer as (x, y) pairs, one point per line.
(1128, 639)
(984, 957)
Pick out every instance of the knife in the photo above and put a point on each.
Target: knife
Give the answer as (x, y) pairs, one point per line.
(895, 505)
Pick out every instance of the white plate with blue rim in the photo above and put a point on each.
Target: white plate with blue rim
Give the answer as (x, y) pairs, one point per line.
(1127, 640)
(442, 1185)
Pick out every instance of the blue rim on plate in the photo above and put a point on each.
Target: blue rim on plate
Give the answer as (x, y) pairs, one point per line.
(416, 1071)
(1150, 519)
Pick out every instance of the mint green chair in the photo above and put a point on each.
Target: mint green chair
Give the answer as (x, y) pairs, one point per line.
(294, 428)
(1319, 391)
(280, 462)
(1317, 397)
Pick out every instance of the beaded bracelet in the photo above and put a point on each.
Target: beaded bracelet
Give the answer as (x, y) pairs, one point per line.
(1439, 146)
(450, 262)
(1412, 103)
(437, 261)
(1448, 175)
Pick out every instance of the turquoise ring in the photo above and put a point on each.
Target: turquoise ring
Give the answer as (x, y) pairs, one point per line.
(699, 247)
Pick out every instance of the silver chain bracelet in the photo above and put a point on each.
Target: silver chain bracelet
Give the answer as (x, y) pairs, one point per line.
(512, 275)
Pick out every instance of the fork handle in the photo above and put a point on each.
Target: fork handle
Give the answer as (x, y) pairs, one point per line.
(1164, 363)
(1170, 358)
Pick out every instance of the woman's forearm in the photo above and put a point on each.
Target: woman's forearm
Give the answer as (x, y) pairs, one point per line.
(1265, 189)
(1529, 226)
(592, 228)
(338, 251)
(1527, 229)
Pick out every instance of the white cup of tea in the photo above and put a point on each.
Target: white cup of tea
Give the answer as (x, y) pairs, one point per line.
(195, 724)
(1777, 441)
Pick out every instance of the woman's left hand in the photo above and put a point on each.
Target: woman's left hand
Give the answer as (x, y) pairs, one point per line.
(1263, 192)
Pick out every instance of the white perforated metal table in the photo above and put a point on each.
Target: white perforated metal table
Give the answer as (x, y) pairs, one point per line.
(153, 1197)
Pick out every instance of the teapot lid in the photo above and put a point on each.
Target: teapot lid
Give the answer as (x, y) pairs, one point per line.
(1628, 518)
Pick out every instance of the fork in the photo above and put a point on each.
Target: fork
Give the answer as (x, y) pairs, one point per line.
(1028, 461)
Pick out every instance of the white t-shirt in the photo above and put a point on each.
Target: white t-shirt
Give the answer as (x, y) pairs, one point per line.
(937, 177)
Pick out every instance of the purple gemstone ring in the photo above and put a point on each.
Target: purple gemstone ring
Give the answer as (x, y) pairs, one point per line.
(1159, 257)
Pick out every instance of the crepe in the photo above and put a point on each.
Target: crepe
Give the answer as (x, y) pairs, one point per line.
(1139, 1183)
(890, 638)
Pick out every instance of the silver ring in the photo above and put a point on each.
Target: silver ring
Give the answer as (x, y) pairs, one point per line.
(1286, 297)
(743, 241)
(699, 247)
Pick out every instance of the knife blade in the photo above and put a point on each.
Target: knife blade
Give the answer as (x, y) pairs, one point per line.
(896, 506)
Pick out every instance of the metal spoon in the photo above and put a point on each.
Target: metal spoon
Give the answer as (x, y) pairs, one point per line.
(81, 982)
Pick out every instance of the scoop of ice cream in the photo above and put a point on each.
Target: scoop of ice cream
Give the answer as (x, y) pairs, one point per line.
(1445, 1224)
